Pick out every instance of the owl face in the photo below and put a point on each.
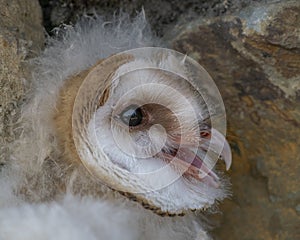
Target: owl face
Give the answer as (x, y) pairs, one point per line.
(155, 131)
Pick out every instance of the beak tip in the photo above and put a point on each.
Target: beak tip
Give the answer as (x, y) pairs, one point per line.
(228, 162)
(220, 140)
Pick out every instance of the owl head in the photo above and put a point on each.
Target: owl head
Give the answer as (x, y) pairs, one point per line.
(150, 124)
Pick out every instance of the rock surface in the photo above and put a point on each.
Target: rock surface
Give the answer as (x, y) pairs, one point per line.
(254, 57)
(21, 36)
(161, 14)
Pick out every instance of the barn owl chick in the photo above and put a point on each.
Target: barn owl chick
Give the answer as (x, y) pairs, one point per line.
(112, 118)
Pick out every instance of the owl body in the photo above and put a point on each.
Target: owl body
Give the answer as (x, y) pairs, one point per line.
(50, 191)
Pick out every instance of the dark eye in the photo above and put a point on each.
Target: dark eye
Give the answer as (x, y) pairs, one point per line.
(132, 116)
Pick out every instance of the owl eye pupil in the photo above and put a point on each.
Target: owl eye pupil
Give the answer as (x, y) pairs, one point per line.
(132, 116)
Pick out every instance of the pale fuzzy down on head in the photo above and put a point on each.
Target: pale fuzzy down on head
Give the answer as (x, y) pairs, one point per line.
(74, 49)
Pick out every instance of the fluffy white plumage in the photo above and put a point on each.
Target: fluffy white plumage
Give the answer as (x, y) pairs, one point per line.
(75, 218)
(41, 196)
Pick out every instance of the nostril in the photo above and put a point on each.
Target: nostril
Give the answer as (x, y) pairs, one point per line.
(205, 134)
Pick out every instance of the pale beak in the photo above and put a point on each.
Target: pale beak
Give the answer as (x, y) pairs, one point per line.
(193, 163)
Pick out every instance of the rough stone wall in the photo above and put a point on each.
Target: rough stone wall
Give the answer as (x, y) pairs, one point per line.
(161, 14)
(254, 57)
(21, 37)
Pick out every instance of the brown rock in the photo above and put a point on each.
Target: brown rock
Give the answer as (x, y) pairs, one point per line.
(21, 36)
(254, 57)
